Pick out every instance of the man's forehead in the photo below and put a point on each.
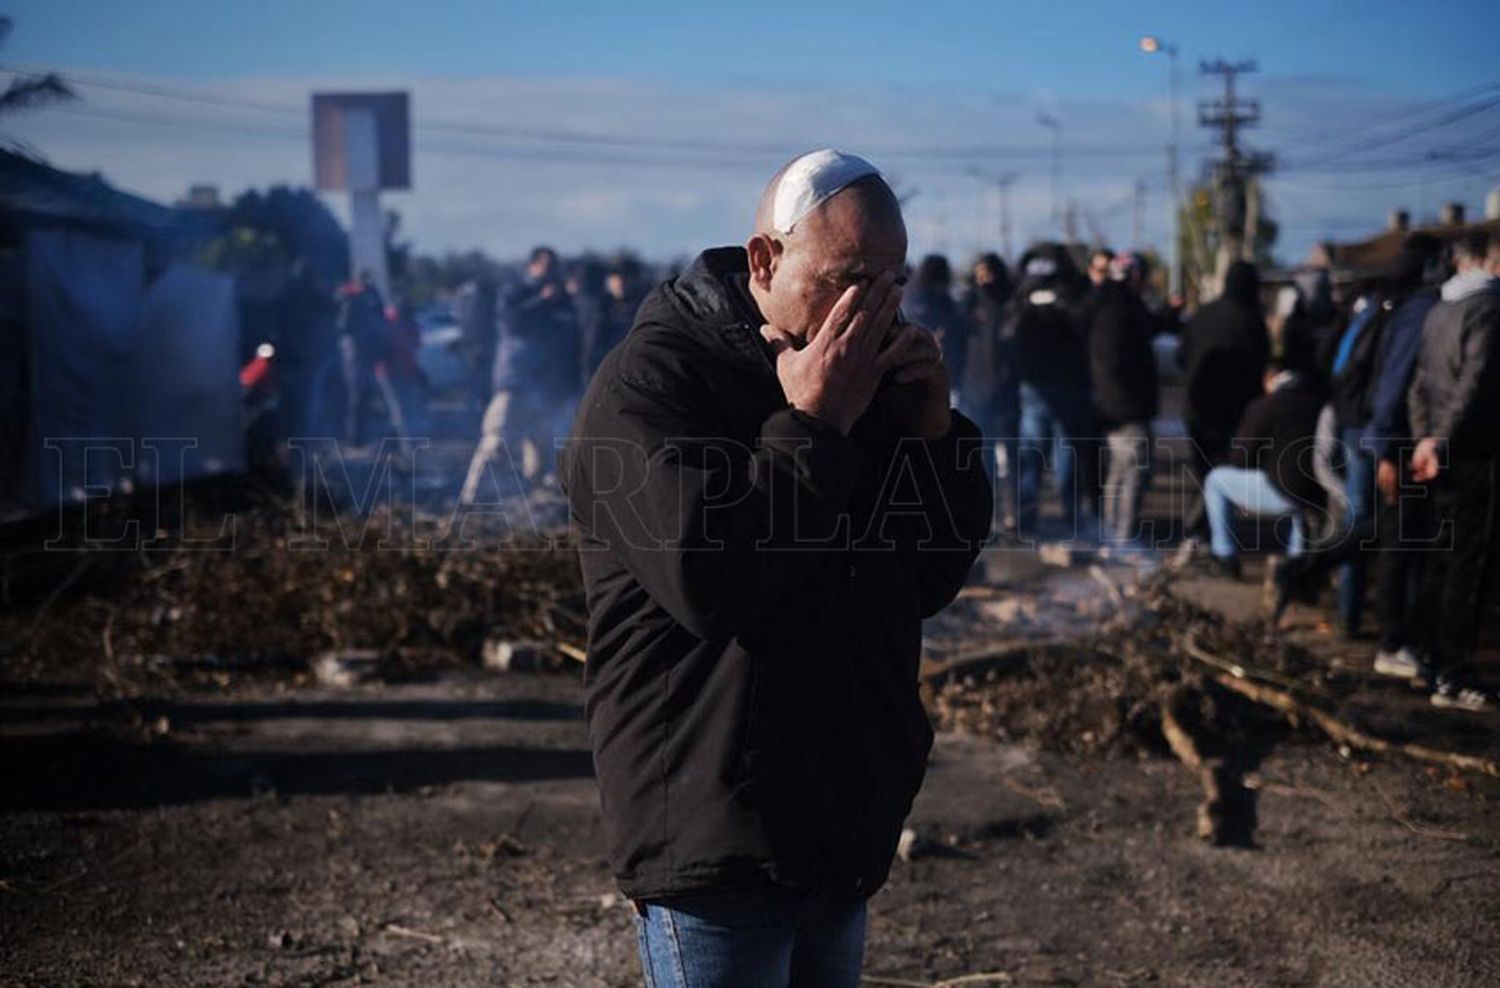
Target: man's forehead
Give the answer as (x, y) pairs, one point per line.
(870, 253)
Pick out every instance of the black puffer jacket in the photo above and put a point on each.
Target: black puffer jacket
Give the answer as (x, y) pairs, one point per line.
(1122, 365)
(1223, 355)
(754, 612)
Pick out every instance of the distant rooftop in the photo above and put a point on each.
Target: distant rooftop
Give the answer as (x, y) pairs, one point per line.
(1376, 255)
(34, 192)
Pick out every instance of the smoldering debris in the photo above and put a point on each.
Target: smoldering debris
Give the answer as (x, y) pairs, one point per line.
(1147, 673)
(297, 602)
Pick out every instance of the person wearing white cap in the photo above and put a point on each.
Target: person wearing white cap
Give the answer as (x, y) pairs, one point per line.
(770, 492)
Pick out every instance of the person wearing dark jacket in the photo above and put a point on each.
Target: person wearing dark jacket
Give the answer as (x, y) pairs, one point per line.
(1122, 368)
(365, 344)
(988, 392)
(535, 378)
(1223, 356)
(1269, 473)
(770, 493)
(928, 301)
(1052, 366)
(1388, 437)
(597, 330)
(305, 351)
(626, 284)
(1396, 523)
(1454, 405)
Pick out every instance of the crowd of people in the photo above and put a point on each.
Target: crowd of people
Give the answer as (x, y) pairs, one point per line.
(1395, 414)
(534, 349)
(1060, 368)
(1337, 421)
(1358, 423)
(349, 342)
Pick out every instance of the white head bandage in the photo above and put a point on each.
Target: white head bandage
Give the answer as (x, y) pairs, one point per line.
(810, 181)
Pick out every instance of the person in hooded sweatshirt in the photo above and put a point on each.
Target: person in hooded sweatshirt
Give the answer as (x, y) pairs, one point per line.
(770, 492)
(1223, 355)
(1454, 409)
(1053, 370)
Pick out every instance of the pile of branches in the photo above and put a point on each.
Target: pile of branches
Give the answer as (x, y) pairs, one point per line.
(284, 590)
(1163, 675)
(1099, 692)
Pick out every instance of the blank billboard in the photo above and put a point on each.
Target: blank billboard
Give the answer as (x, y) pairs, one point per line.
(336, 116)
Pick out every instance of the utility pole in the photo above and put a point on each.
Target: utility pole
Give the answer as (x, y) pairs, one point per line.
(1005, 182)
(1235, 168)
(1138, 213)
(1002, 184)
(1055, 164)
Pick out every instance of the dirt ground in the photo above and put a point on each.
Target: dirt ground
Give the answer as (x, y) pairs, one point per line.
(443, 830)
(240, 824)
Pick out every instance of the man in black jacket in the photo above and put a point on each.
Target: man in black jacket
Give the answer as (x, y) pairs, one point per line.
(1052, 365)
(770, 493)
(1122, 368)
(1223, 356)
(535, 377)
(1270, 470)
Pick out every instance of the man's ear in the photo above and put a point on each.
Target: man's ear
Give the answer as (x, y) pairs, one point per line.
(764, 253)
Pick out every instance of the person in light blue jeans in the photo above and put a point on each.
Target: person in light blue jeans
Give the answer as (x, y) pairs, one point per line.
(767, 938)
(1053, 422)
(1228, 489)
(1270, 473)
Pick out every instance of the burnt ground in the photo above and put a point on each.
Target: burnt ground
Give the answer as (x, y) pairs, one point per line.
(446, 833)
(240, 824)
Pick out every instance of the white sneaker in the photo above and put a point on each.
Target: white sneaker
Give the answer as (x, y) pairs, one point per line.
(1400, 664)
(1453, 696)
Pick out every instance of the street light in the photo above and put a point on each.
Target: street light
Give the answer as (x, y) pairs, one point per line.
(1152, 45)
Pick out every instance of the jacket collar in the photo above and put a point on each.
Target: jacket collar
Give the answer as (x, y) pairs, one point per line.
(713, 293)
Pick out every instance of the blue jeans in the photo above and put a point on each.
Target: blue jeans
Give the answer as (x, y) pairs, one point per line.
(774, 938)
(1228, 488)
(1053, 420)
(1359, 487)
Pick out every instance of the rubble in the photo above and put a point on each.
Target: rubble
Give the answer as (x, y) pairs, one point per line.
(508, 655)
(345, 670)
(297, 600)
(1133, 669)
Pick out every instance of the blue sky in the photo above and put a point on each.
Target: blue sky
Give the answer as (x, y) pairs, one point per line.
(876, 76)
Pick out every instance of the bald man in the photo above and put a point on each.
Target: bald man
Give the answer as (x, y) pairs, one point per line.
(770, 493)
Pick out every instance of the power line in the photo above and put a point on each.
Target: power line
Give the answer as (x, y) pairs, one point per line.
(1370, 186)
(1385, 141)
(569, 136)
(1428, 158)
(756, 165)
(1386, 119)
